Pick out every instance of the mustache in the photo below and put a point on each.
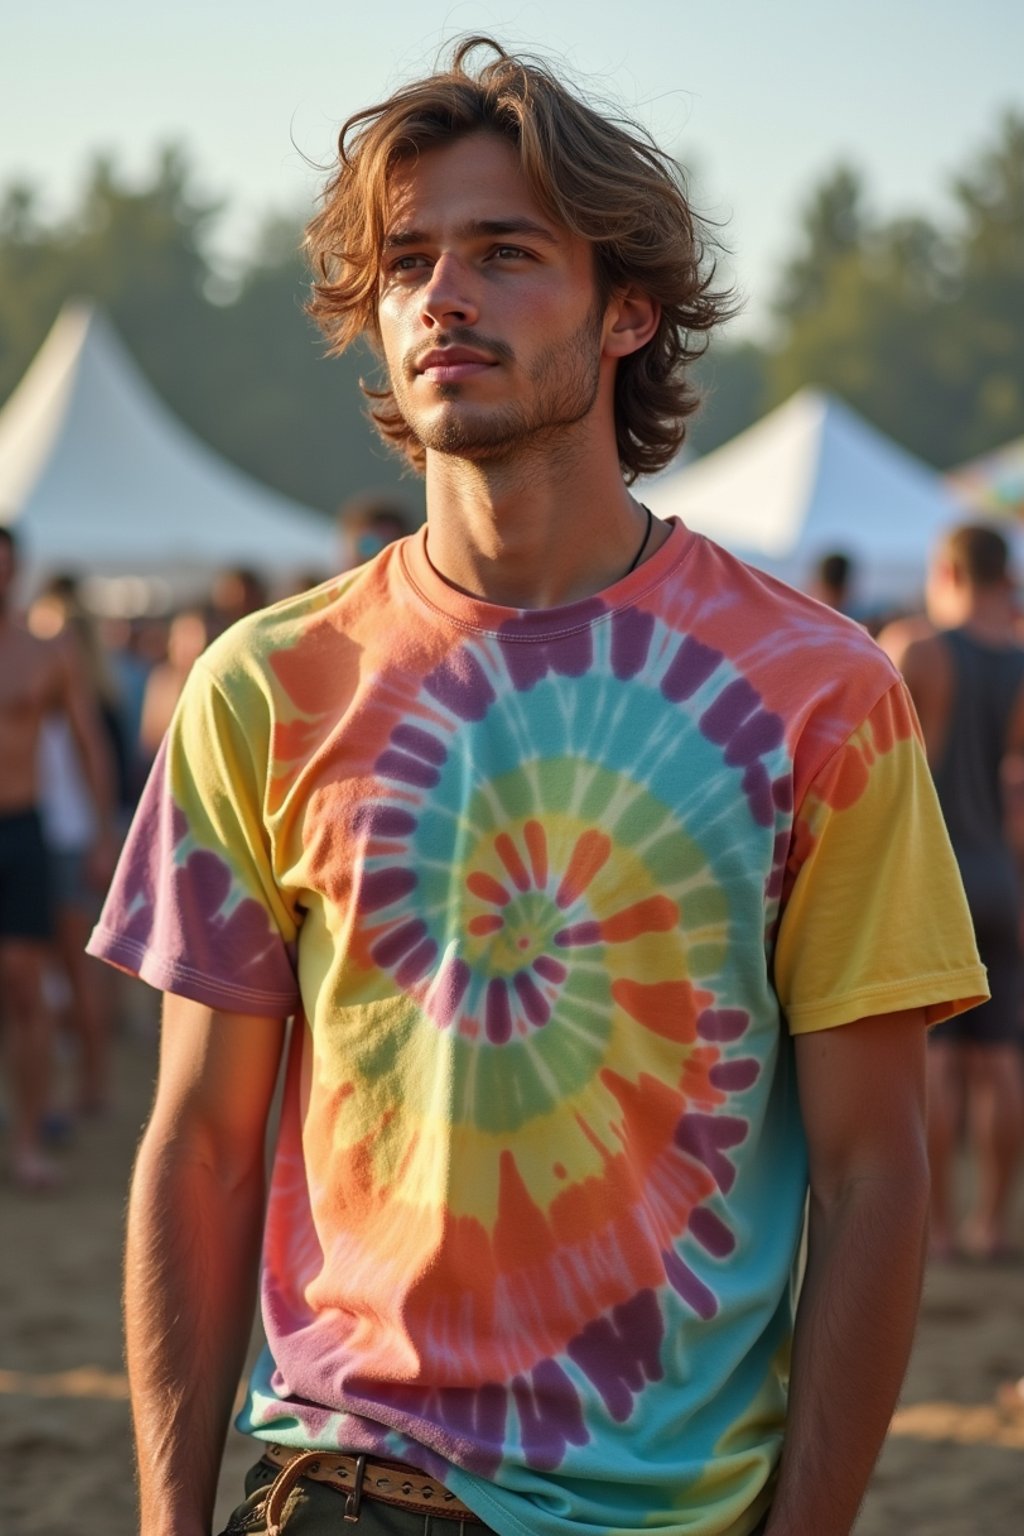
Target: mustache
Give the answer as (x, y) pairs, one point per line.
(459, 336)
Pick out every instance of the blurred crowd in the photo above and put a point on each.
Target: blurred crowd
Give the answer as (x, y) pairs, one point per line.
(962, 659)
(93, 737)
(85, 701)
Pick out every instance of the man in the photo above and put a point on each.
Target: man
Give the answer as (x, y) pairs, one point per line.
(187, 636)
(366, 524)
(967, 680)
(833, 578)
(236, 592)
(37, 678)
(534, 822)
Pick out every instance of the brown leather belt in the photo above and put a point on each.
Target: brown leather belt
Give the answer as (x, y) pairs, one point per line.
(359, 1478)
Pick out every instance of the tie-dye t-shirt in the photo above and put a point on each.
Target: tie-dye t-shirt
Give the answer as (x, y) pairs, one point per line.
(547, 891)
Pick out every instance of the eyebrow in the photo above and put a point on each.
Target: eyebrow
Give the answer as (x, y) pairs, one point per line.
(475, 229)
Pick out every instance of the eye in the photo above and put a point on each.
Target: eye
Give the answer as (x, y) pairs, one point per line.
(407, 263)
(510, 252)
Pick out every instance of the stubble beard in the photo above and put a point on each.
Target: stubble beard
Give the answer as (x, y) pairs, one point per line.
(565, 379)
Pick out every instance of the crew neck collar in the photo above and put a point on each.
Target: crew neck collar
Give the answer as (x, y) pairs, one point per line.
(474, 613)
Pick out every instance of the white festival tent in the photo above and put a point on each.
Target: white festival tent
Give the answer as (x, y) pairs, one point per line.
(98, 477)
(810, 479)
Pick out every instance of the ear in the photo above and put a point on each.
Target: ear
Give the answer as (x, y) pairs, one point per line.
(631, 319)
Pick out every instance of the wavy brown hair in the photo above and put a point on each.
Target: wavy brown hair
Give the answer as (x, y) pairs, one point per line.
(601, 177)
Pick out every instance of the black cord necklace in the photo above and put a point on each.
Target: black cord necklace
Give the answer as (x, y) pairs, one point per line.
(628, 572)
(643, 546)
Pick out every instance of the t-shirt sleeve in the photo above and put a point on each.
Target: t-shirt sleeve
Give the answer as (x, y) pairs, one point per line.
(194, 907)
(874, 917)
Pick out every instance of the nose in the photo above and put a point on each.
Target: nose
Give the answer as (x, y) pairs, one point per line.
(447, 297)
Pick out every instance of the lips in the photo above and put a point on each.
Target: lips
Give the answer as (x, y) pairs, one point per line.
(449, 364)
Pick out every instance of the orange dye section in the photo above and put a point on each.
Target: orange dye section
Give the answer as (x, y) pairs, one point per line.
(846, 778)
(321, 668)
(522, 1236)
(537, 847)
(589, 1239)
(657, 914)
(589, 857)
(488, 923)
(488, 889)
(508, 853)
(294, 739)
(850, 779)
(666, 1008)
(650, 1112)
(696, 1081)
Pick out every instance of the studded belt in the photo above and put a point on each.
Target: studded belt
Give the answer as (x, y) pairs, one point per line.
(358, 1478)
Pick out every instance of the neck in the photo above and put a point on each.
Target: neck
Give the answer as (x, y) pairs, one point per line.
(988, 613)
(529, 534)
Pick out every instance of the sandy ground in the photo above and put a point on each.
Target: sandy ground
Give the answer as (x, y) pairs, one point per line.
(953, 1465)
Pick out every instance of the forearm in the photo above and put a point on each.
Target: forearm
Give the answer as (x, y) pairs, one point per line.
(854, 1329)
(191, 1263)
(82, 710)
(98, 763)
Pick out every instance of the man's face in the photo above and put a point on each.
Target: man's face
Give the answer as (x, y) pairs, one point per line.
(488, 311)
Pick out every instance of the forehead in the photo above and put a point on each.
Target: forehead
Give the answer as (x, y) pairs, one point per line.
(474, 178)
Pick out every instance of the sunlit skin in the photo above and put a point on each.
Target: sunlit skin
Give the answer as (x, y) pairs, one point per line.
(966, 1079)
(503, 361)
(37, 678)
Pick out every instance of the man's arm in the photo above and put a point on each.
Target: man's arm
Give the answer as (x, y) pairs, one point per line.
(75, 696)
(862, 1098)
(195, 1216)
(898, 637)
(928, 674)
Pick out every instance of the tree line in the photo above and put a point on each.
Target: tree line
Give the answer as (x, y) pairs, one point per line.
(917, 323)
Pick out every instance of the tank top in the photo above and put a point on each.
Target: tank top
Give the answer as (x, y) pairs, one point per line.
(987, 680)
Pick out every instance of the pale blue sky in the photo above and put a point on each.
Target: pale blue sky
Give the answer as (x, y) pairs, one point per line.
(764, 97)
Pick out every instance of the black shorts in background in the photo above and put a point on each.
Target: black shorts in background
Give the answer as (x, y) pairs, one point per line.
(25, 906)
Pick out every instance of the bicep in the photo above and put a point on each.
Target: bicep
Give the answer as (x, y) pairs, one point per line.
(157, 707)
(862, 1099)
(217, 1076)
(929, 678)
(893, 640)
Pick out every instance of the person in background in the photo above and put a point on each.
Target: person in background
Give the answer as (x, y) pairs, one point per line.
(548, 825)
(964, 668)
(123, 643)
(37, 678)
(187, 638)
(236, 592)
(368, 524)
(833, 580)
(70, 820)
(58, 612)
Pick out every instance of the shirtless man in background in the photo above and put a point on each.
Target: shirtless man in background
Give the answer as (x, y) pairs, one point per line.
(964, 667)
(37, 677)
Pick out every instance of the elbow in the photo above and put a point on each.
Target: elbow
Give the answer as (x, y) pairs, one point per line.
(913, 1177)
(893, 1193)
(194, 1158)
